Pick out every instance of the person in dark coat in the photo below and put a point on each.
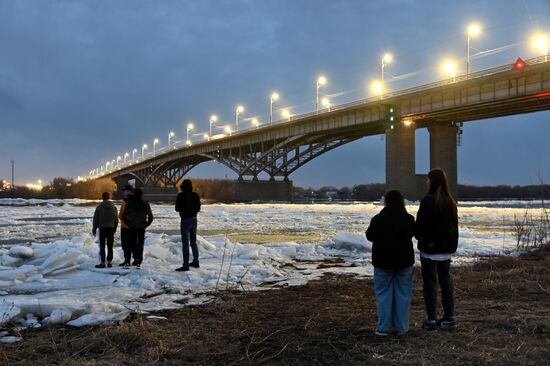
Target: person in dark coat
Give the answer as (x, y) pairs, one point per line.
(124, 229)
(436, 230)
(391, 233)
(188, 204)
(138, 216)
(106, 220)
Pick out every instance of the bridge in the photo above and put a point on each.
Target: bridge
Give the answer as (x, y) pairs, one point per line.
(278, 150)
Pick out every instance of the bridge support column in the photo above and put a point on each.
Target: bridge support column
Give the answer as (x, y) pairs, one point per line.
(400, 161)
(443, 152)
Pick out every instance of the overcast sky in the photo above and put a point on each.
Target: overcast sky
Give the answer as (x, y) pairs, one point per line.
(84, 81)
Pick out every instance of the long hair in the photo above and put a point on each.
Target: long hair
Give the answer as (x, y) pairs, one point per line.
(186, 186)
(394, 202)
(439, 188)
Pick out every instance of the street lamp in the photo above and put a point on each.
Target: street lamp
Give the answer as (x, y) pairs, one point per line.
(134, 154)
(255, 122)
(118, 158)
(448, 68)
(286, 114)
(227, 130)
(326, 103)
(539, 43)
(125, 156)
(472, 31)
(143, 151)
(274, 97)
(376, 87)
(170, 135)
(386, 59)
(321, 80)
(190, 126)
(206, 136)
(238, 110)
(213, 119)
(155, 142)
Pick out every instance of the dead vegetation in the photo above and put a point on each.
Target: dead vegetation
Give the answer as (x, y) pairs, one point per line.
(503, 310)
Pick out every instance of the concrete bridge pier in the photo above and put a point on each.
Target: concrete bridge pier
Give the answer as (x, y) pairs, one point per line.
(443, 152)
(400, 161)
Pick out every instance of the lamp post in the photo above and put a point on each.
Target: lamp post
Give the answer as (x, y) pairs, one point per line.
(206, 136)
(113, 164)
(190, 126)
(448, 68)
(170, 135)
(472, 31)
(118, 159)
(213, 119)
(321, 80)
(540, 44)
(255, 122)
(274, 97)
(155, 142)
(227, 130)
(386, 59)
(125, 157)
(238, 110)
(143, 151)
(134, 154)
(326, 103)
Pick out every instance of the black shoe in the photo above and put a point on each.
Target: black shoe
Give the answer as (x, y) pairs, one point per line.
(109, 264)
(100, 265)
(429, 325)
(194, 264)
(446, 324)
(183, 269)
(134, 263)
(123, 264)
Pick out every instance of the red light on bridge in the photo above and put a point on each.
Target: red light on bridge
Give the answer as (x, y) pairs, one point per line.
(519, 65)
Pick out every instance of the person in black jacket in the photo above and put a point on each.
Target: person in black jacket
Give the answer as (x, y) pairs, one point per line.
(436, 230)
(391, 233)
(138, 217)
(106, 220)
(188, 204)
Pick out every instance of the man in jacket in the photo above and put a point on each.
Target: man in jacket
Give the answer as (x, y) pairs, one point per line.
(124, 229)
(188, 204)
(106, 219)
(138, 216)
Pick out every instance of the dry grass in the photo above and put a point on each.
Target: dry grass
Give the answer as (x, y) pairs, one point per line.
(503, 310)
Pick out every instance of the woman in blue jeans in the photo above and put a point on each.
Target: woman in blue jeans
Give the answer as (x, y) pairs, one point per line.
(188, 204)
(391, 233)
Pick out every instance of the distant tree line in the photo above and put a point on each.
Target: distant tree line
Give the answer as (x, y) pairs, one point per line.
(61, 188)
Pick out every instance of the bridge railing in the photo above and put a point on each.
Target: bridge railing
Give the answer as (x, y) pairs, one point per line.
(483, 73)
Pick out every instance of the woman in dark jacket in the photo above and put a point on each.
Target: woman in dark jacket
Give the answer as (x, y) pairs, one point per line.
(437, 232)
(391, 233)
(138, 217)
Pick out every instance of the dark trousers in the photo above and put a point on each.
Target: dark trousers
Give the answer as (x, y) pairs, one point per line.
(137, 238)
(432, 271)
(189, 236)
(106, 236)
(126, 244)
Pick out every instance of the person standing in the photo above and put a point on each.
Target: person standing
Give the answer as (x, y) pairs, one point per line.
(138, 216)
(188, 204)
(106, 220)
(437, 232)
(124, 229)
(391, 233)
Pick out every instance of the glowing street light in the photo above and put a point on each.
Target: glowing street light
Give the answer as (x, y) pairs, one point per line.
(112, 164)
(170, 135)
(321, 80)
(376, 88)
(255, 122)
(125, 157)
(326, 103)
(386, 60)
(143, 151)
(227, 130)
(286, 114)
(155, 142)
(213, 119)
(238, 110)
(118, 159)
(274, 97)
(472, 31)
(134, 154)
(539, 43)
(448, 68)
(190, 126)
(206, 136)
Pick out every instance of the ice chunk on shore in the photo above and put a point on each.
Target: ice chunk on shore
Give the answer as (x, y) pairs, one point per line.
(351, 241)
(59, 316)
(21, 252)
(98, 318)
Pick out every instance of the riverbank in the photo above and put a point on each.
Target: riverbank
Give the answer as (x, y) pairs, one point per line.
(503, 311)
